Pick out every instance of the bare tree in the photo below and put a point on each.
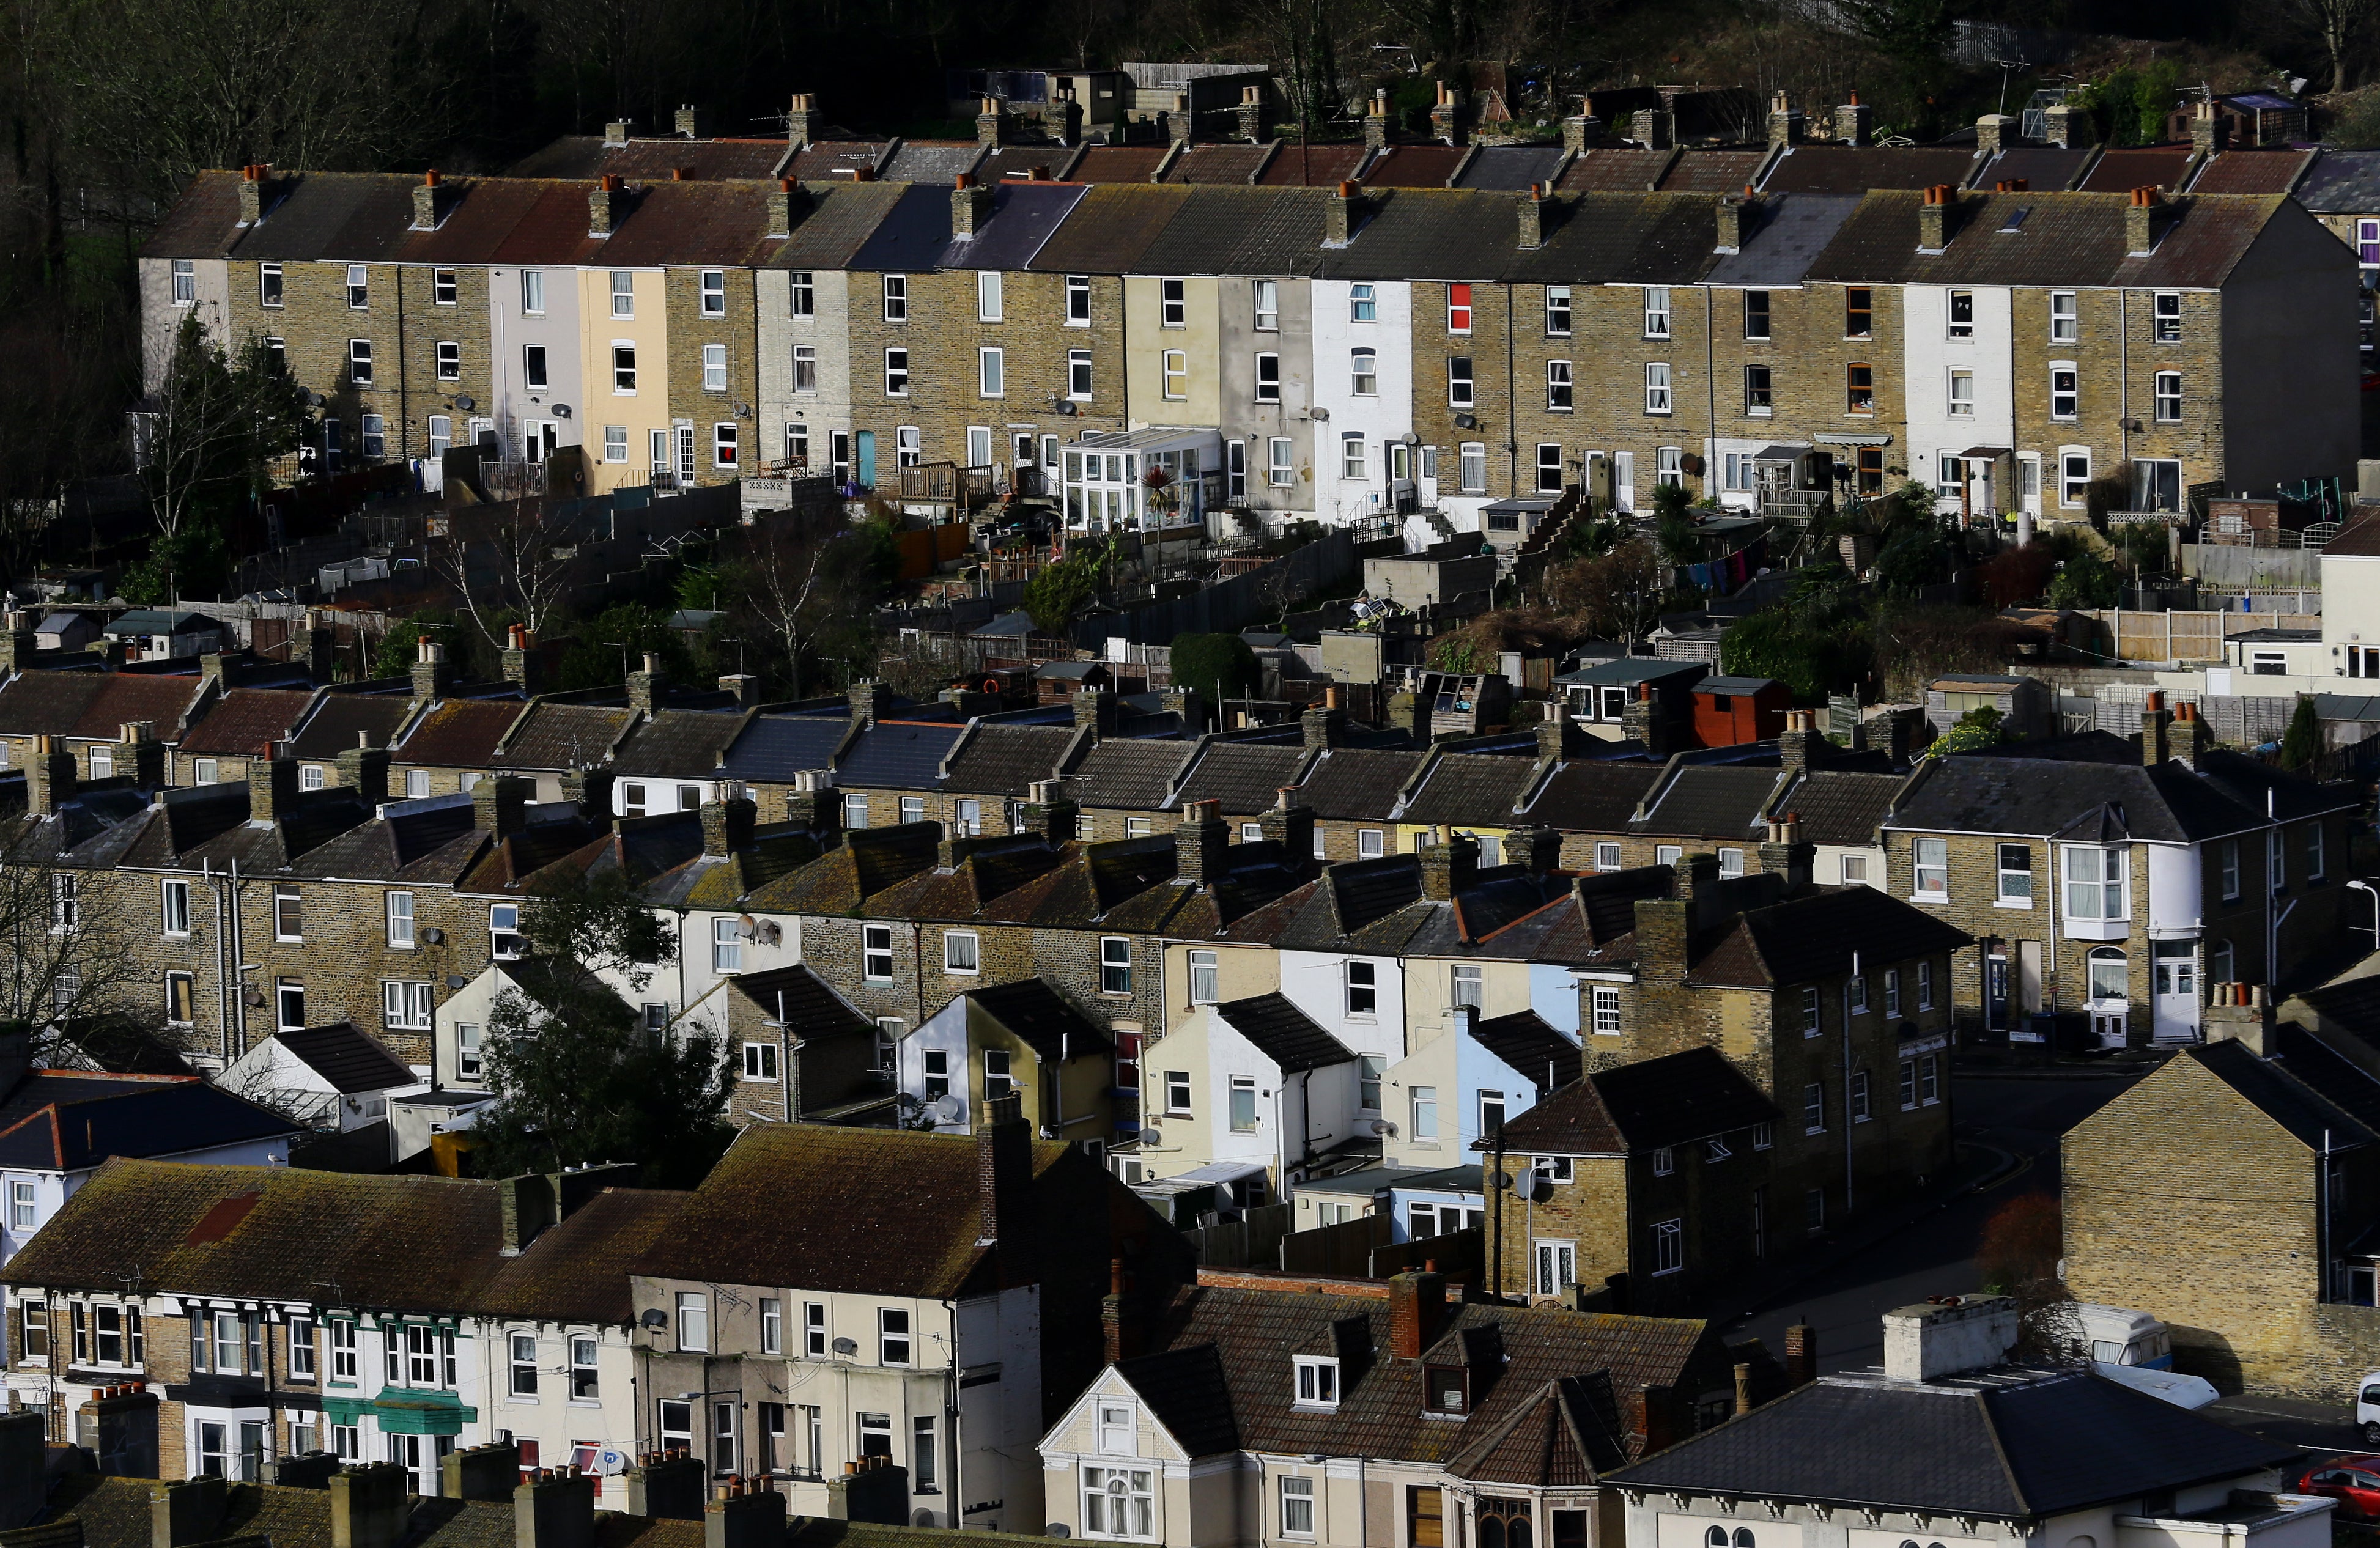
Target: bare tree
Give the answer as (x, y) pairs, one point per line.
(211, 431)
(512, 562)
(808, 581)
(2338, 24)
(1619, 594)
(68, 935)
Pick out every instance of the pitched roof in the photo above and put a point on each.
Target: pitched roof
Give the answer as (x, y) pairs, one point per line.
(2340, 182)
(2077, 239)
(881, 1211)
(1042, 1018)
(97, 704)
(1854, 169)
(337, 719)
(2120, 170)
(1426, 234)
(1217, 164)
(677, 744)
(263, 1232)
(1007, 760)
(2263, 171)
(459, 733)
(1283, 1033)
(1221, 229)
(2038, 797)
(1788, 232)
(1357, 784)
(1709, 801)
(1816, 936)
(1530, 1043)
(1514, 168)
(1414, 167)
(2279, 1095)
(561, 736)
(1111, 227)
(346, 1056)
(1977, 1446)
(1131, 773)
(1673, 1100)
(66, 1120)
(1312, 166)
(577, 1271)
(1592, 796)
(244, 719)
(1380, 1413)
(1566, 1439)
(1469, 789)
(1243, 778)
(898, 754)
(1839, 805)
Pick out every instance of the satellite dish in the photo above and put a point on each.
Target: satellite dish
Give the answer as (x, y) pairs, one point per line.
(945, 1108)
(1151, 1137)
(609, 1462)
(654, 1317)
(844, 1347)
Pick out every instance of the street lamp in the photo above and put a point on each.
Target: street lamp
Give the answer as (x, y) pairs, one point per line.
(2366, 886)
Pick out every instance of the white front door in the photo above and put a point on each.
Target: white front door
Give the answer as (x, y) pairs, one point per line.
(2176, 991)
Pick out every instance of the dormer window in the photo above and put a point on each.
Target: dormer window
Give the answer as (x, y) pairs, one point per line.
(1446, 1389)
(1318, 1383)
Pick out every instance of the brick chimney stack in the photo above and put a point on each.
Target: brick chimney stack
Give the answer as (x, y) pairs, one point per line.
(2071, 127)
(500, 804)
(785, 200)
(1290, 823)
(2210, 132)
(143, 755)
(1253, 120)
(802, 121)
(271, 784)
(1339, 214)
(433, 677)
(1446, 116)
(1050, 813)
(1202, 842)
(1785, 122)
(1652, 129)
(1325, 724)
(1854, 122)
(1995, 132)
(606, 204)
(970, 206)
(364, 770)
(2144, 221)
(1737, 213)
(425, 201)
(2154, 748)
(1003, 1172)
(727, 824)
(1582, 130)
(1376, 123)
(1934, 218)
(1449, 870)
(1532, 218)
(1416, 1311)
(254, 182)
(645, 688)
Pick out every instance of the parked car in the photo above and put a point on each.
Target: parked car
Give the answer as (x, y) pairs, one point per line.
(2367, 1409)
(2353, 1481)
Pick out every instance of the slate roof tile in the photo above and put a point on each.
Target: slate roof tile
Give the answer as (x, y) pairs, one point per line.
(241, 721)
(1633, 1108)
(1131, 774)
(98, 705)
(1471, 790)
(2067, 1441)
(1283, 1033)
(1357, 784)
(459, 733)
(1814, 937)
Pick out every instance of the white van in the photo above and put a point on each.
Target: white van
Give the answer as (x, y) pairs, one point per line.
(2367, 1409)
(2120, 1336)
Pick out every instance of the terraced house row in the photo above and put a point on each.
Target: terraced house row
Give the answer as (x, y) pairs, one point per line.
(1505, 323)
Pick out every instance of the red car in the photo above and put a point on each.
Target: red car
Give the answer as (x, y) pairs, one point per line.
(2353, 1481)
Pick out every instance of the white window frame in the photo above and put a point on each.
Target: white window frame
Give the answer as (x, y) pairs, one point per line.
(897, 297)
(2065, 317)
(1930, 869)
(399, 911)
(1656, 311)
(1657, 400)
(992, 371)
(962, 952)
(988, 298)
(1604, 1010)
